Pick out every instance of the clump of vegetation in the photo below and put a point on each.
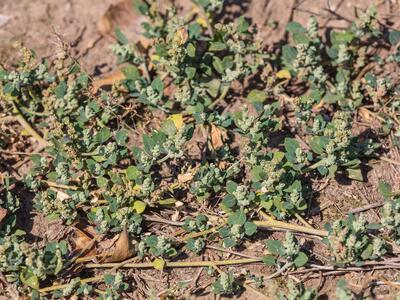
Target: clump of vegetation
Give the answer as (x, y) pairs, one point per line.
(350, 242)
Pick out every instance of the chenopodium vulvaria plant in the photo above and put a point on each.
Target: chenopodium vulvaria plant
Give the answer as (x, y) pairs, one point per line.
(200, 65)
(277, 185)
(335, 147)
(350, 242)
(197, 224)
(82, 165)
(347, 53)
(298, 292)
(238, 226)
(166, 143)
(390, 212)
(289, 251)
(29, 264)
(9, 206)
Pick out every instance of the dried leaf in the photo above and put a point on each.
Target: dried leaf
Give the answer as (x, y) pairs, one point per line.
(108, 80)
(81, 240)
(123, 15)
(123, 248)
(283, 74)
(218, 136)
(365, 114)
(182, 178)
(115, 14)
(159, 264)
(3, 213)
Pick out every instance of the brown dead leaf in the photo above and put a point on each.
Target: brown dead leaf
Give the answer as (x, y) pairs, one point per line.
(123, 248)
(218, 136)
(3, 213)
(365, 114)
(123, 15)
(115, 15)
(81, 240)
(186, 177)
(108, 80)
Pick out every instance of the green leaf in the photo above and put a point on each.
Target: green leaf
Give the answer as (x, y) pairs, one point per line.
(250, 228)
(109, 278)
(289, 53)
(121, 38)
(231, 186)
(61, 89)
(394, 37)
(101, 182)
(291, 145)
(29, 279)
(191, 50)
(355, 174)
(301, 259)
(229, 201)
(318, 144)
(218, 65)
(229, 242)
(385, 189)
(131, 72)
(275, 247)
(190, 72)
(168, 127)
(158, 85)
(238, 217)
(269, 260)
(120, 137)
(343, 37)
(256, 96)
(103, 135)
(132, 172)
(217, 46)
(294, 27)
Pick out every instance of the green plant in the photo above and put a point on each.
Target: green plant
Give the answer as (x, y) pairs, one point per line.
(278, 186)
(350, 243)
(225, 284)
(158, 246)
(198, 224)
(335, 147)
(236, 229)
(343, 292)
(288, 250)
(298, 292)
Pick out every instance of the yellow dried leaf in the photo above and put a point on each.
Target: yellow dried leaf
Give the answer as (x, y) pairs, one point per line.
(139, 206)
(283, 74)
(181, 36)
(202, 22)
(159, 264)
(178, 120)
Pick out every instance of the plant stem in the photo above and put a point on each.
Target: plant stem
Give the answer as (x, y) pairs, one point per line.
(224, 92)
(291, 227)
(301, 219)
(63, 286)
(201, 233)
(178, 264)
(24, 123)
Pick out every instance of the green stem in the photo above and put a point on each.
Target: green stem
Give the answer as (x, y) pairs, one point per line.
(225, 90)
(24, 123)
(179, 264)
(63, 286)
